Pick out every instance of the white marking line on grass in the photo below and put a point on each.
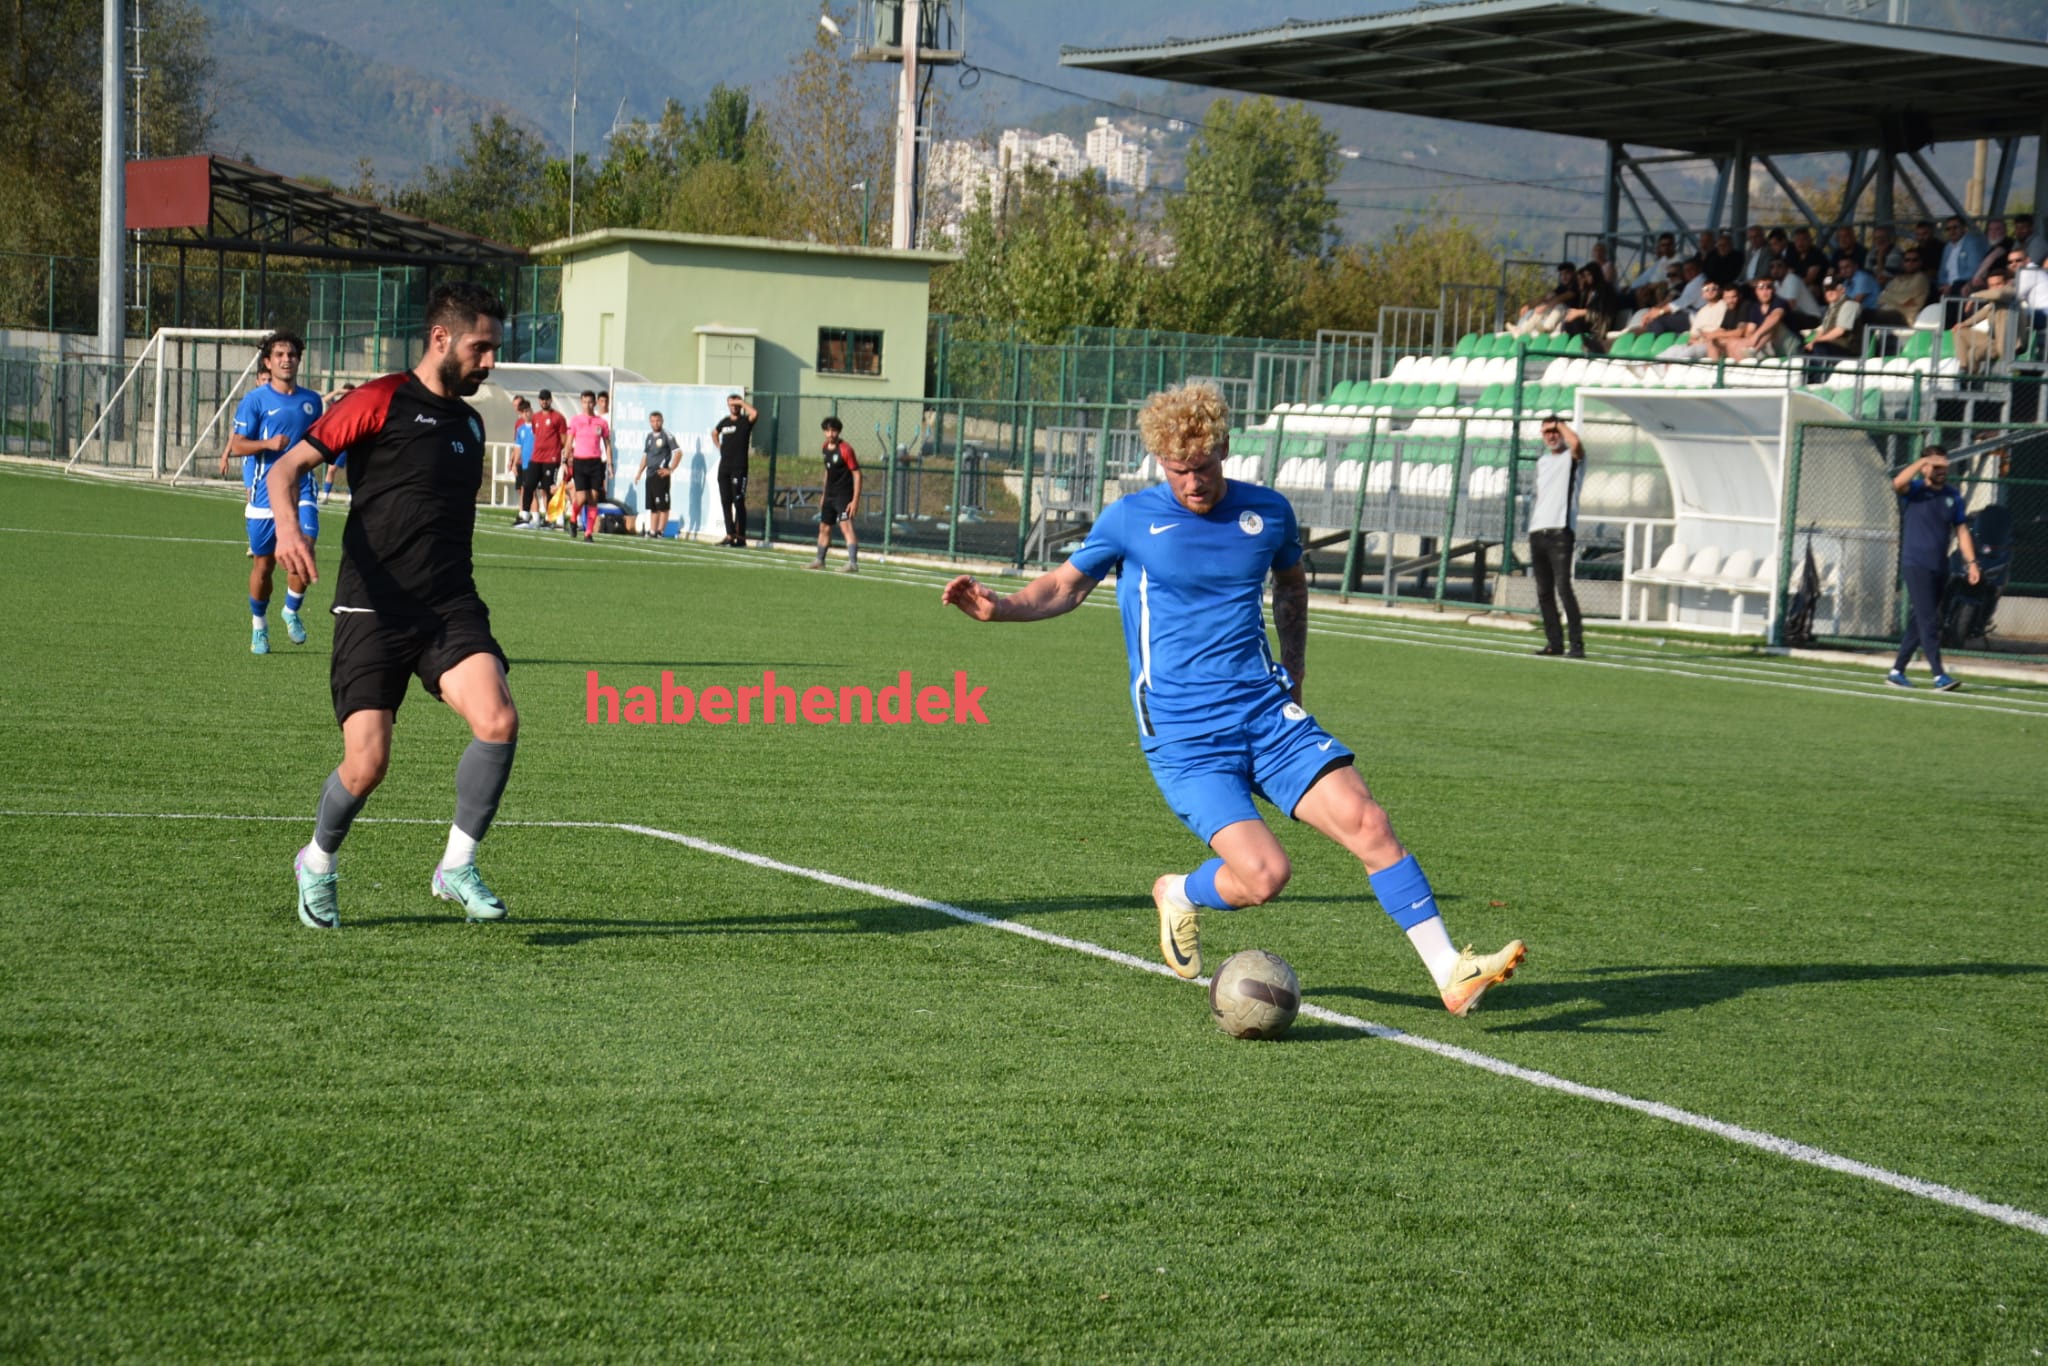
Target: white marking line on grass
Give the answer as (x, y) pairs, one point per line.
(1787, 1148)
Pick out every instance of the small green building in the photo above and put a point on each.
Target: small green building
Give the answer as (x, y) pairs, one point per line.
(777, 317)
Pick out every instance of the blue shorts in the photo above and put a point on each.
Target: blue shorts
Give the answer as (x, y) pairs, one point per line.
(263, 531)
(1277, 753)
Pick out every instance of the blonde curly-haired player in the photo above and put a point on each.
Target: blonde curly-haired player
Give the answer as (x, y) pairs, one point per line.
(1220, 721)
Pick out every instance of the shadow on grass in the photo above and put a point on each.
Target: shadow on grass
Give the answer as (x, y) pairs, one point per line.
(1603, 998)
(876, 918)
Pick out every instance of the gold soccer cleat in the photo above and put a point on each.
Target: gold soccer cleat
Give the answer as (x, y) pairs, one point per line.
(1180, 938)
(1474, 974)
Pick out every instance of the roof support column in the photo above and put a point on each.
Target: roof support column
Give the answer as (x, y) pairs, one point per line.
(1714, 219)
(2041, 176)
(1738, 188)
(2001, 181)
(1881, 197)
(1610, 197)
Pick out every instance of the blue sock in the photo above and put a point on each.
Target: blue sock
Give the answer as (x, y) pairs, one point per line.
(1201, 887)
(1404, 893)
(257, 607)
(293, 601)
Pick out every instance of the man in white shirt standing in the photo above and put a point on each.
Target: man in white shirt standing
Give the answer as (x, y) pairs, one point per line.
(1554, 534)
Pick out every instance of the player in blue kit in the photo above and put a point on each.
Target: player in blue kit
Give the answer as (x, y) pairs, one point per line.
(1219, 719)
(271, 419)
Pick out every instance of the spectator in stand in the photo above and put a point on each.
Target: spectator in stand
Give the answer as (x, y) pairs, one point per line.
(1924, 238)
(1705, 248)
(1994, 253)
(1756, 255)
(1905, 294)
(2030, 286)
(1702, 324)
(1602, 264)
(1806, 309)
(1692, 290)
(1659, 267)
(1885, 259)
(1982, 338)
(1808, 262)
(1762, 329)
(1724, 264)
(1847, 245)
(1837, 337)
(1655, 301)
(2026, 239)
(1595, 312)
(1546, 315)
(1862, 285)
(1959, 259)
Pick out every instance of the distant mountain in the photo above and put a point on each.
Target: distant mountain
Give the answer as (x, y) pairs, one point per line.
(313, 89)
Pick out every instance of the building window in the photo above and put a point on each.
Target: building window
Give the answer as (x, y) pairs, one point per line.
(846, 351)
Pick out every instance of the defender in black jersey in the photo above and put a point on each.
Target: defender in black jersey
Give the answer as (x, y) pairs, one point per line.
(406, 596)
(841, 500)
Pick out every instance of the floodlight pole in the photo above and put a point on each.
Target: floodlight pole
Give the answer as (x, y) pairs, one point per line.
(575, 65)
(113, 193)
(903, 213)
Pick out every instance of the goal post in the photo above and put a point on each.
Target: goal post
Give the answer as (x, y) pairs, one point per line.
(141, 402)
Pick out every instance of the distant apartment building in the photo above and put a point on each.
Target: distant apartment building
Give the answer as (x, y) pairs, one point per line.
(1020, 147)
(957, 173)
(1124, 163)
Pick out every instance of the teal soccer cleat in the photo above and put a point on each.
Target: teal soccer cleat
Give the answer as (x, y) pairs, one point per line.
(465, 887)
(317, 909)
(295, 627)
(259, 640)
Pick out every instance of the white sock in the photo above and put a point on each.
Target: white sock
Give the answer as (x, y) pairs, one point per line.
(316, 859)
(256, 622)
(1178, 890)
(462, 849)
(1433, 942)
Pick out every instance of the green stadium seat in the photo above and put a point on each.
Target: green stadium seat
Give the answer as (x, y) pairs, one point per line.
(1918, 346)
(1467, 345)
(1494, 395)
(1376, 393)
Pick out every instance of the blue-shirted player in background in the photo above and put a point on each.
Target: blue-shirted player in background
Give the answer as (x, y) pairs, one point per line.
(1220, 721)
(271, 419)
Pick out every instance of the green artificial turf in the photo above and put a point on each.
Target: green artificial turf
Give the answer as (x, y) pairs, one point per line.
(680, 1106)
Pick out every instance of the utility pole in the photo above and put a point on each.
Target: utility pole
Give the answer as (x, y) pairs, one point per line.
(903, 213)
(575, 70)
(113, 190)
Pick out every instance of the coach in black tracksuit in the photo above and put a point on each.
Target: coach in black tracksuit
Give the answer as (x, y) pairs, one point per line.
(1928, 509)
(734, 435)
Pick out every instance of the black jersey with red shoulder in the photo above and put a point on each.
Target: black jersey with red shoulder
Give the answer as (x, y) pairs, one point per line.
(840, 463)
(415, 464)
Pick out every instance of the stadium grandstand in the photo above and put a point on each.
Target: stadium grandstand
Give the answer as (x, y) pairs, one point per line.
(1412, 441)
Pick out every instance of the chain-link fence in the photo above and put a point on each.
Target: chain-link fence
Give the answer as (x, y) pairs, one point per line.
(1844, 521)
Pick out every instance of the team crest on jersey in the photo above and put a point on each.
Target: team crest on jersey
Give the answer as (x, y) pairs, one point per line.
(1293, 711)
(1250, 523)
(306, 408)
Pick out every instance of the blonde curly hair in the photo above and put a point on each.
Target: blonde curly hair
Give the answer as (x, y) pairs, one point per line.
(1186, 422)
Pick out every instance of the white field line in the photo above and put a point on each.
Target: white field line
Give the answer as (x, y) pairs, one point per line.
(1789, 1149)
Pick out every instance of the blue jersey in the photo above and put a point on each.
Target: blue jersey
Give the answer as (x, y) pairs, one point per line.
(265, 413)
(523, 434)
(1190, 589)
(1928, 517)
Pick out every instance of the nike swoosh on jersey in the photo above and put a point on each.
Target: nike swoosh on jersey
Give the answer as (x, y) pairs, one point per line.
(1326, 744)
(1168, 527)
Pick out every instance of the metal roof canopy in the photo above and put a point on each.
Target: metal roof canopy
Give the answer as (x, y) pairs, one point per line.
(1690, 75)
(210, 203)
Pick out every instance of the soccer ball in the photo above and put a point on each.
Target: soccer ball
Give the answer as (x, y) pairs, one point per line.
(1254, 995)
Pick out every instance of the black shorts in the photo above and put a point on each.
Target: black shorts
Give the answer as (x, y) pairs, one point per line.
(657, 492)
(537, 478)
(589, 476)
(373, 659)
(835, 507)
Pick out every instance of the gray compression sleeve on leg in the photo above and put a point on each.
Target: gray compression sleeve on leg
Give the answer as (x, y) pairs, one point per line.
(338, 810)
(479, 783)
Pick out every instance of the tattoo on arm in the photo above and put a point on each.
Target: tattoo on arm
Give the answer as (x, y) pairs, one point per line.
(1290, 622)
